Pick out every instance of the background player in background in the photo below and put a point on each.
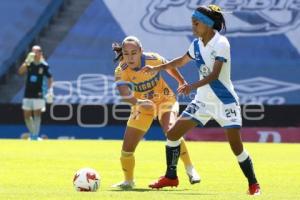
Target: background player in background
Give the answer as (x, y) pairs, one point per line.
(33, 103)
(215, 97)
(150, 97)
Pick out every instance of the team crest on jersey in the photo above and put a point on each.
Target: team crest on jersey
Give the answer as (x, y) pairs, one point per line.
(248, 18)
(204, 70)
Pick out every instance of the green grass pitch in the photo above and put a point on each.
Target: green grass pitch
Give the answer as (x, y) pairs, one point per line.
(44, 170)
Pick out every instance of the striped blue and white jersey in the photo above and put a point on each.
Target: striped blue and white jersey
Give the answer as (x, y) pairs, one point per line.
(218, 48)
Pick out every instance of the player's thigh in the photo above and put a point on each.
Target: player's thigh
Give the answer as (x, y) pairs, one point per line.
(181, 126)
(167, 114)
(140, 118)
(167, 120)
(138, 124)
(27, 114)
(132, 138)
(37, 113)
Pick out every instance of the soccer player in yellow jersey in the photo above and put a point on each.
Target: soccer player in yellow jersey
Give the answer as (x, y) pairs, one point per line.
(150, 97)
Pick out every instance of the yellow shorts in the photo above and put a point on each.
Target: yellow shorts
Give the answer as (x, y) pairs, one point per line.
(142, 119)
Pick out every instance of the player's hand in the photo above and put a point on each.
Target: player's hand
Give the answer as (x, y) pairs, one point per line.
(148, 69)
(30, 58)
(181, 84)
(185, 89)
(146, 104)
(50, 96)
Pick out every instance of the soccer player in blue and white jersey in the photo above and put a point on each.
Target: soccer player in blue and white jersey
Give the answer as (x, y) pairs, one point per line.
(215, 96)
(36, 69)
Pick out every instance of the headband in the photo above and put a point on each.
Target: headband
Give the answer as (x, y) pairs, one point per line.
(203, 18)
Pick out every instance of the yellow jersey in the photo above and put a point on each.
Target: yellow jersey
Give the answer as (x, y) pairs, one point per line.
(145, 86)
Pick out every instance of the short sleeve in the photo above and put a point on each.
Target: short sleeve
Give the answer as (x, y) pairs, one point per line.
(191, 51)
(161, 59)
(48, 73)
(121, 77)
(223, 51)
(118, 73)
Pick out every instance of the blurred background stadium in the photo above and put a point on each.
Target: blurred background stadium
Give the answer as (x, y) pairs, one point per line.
(76, 36)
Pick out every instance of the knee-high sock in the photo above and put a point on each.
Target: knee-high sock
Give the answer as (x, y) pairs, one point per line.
(246, 165)
(29, 124)
(37, 124)
(172, 155)
(128, 163)
(184, 154)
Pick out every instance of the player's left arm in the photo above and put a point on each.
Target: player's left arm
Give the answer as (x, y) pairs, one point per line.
(176, 75)
(50, 81)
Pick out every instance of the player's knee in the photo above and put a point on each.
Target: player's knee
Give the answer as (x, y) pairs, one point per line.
(172, 135)
(166, 129)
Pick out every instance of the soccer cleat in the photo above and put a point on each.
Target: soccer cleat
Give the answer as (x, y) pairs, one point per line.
(254, 189)
(124, 185)
(193, 175)
(164, 182)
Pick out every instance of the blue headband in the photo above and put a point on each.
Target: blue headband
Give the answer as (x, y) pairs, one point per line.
(203, 18)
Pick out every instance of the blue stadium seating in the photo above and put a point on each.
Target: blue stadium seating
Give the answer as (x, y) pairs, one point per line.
(20, 22)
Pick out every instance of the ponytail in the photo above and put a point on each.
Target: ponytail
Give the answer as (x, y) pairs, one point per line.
(117, 48)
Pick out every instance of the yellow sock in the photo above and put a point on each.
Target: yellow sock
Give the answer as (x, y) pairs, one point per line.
(127, 162)
(184, 154)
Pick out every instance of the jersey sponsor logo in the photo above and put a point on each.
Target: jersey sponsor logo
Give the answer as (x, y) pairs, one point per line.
(147, 85)
(262, 90)
(166, 91)
(252, 17)
(204, 70)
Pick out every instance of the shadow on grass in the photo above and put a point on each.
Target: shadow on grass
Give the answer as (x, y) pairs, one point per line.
(171, 191)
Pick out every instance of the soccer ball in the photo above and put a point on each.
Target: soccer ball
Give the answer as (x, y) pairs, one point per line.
(86, 180)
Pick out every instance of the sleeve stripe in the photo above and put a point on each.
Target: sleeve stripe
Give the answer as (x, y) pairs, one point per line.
(222, 59)
(120, 83)
(188, 53)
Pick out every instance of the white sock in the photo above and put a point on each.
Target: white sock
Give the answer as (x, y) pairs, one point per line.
(173, 143)
(29, 124)
(243, 156)
(37, 125)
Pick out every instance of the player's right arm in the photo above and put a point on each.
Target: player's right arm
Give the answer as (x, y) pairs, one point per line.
(123, 86)
(29, 59)
(177, 62)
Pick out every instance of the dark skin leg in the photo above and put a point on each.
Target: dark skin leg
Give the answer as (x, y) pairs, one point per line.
(181, 126)
(235, 141)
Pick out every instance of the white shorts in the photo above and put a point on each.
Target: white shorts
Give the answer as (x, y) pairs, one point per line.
(33, 104)
(227, 115)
